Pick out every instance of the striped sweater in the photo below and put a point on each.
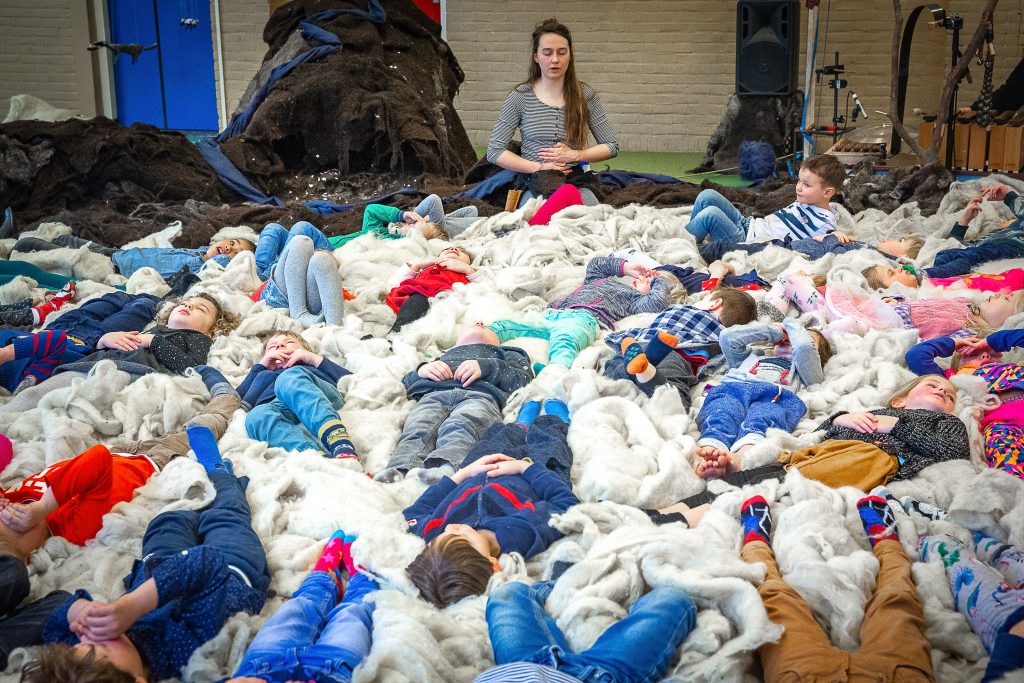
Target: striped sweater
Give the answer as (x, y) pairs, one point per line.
(799, 221)
(542, 125)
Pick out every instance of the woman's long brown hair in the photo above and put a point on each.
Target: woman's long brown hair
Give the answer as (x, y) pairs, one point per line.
(577, 113)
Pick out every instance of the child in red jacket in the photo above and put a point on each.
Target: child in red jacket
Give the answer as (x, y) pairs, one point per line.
(417, 283)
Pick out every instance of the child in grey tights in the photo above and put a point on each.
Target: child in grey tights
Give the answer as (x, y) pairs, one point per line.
(306, 281)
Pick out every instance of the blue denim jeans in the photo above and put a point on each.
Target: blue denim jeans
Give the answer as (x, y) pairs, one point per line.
(304, 402)
(734, 410)
(225, 524)
(638, 648)
(312, 636)
(273, 239)
(713, 215)
(544, 443)
(113, 312)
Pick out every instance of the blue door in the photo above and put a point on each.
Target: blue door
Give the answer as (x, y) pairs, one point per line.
(171, 86)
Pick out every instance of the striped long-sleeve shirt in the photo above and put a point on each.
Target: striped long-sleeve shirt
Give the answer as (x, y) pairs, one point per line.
(542, 125)
(799, 221)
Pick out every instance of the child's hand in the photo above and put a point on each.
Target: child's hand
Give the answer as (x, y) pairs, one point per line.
(468, 372)
(273, 359)
(484, 463)
(21, 517)
(302, 356)
(630, 269)
(971, 345)
(995, 192)
(1005, 224)
(104, 622)
(865, 423)
(436, 370)
(842, 237)
(457, 266)
(509, 467)
(972, 210)
(145, 340)
(120, 341)
(411, 217)
(719, 269)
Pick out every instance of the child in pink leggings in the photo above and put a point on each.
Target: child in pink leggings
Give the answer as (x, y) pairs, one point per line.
(562, 198)
(883, 277)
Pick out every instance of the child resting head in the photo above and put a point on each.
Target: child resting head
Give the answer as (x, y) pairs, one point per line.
(928, 392)
(677, 293)
(199, 313)
(280, 347)
(883, 277)
(477, 333)
(731, 306)
(456, 564)
(992, 313)
(111, 661)
(229, 248)
(908, 246)
(416, 223)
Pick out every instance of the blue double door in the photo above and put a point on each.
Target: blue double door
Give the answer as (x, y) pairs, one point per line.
(171, 86)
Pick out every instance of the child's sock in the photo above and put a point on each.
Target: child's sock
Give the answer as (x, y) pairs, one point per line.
(553, 406)
(346, 556)
(926, 509)
(756, 517)
(43, 311)
(6, 452)
(1004, 557)
(331, 559)
(528, 412)
(878, 519)
(204, 445)
(894, 504)
(980, 592)
(633, 356)
(659, 347)
(214, 380)
(335, 439)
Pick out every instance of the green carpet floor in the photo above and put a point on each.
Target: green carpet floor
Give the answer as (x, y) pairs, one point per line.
(675, 164)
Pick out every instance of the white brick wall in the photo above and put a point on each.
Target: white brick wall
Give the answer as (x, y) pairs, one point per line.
(42, 53)
(665, 68)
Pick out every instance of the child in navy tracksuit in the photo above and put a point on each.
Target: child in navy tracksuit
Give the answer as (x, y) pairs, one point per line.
(459, 396)
(292, 398)
(500, 500)
(757, 392)
(1002, 243)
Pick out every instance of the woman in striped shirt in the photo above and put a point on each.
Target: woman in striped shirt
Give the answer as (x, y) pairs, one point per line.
(554, 111)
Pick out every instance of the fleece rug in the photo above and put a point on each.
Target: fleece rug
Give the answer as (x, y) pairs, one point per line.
(630, 451)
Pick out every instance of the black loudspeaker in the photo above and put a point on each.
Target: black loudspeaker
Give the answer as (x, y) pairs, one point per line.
(767, 46)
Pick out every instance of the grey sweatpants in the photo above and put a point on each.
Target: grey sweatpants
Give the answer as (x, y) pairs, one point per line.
(443, 428)
(455, 223)
(310, 281)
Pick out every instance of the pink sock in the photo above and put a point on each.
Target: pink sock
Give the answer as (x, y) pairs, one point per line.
(565, 196)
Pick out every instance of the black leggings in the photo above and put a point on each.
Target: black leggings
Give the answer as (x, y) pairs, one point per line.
(741, 478)
(414, 308)
(27, 244)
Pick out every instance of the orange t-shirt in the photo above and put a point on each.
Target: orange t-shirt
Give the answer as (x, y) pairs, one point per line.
(86, 487)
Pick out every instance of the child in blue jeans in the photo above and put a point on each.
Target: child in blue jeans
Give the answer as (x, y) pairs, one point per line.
(821, 177)
(529, 646)
(313, 636)
(165, 260)
(198, 568)
(500, 501)
(292, 398)
(757, 392)
(987, 580)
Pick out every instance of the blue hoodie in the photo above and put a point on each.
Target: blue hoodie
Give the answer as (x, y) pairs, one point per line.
(516, 507)
(503, 369)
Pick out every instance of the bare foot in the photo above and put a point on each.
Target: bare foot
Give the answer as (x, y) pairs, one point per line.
(714, 462)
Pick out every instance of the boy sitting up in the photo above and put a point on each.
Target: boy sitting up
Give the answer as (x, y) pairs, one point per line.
(570, 324)
(821, 178)
(459, 396)
(198, 569)
(413, 286)
(500, 501)
(291, 395)
(757, 393)
(165, 260)
(681, 345)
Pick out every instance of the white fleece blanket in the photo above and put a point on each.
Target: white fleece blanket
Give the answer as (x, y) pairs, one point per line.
(630, 451)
